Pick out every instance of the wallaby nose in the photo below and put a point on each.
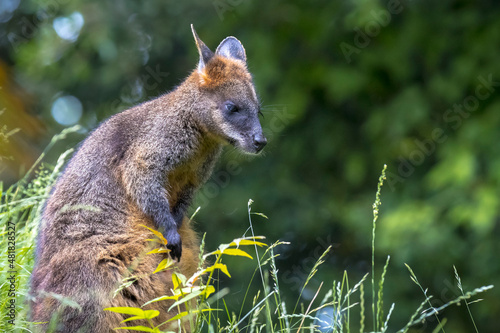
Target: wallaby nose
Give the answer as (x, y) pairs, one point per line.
(259, 141)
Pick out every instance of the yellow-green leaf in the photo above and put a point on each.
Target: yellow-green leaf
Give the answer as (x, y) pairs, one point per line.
(210, 290)
(177, 293)
(179, 316)
(164, 264)
(155, 240)
(163, 298)
(192, 294)
(157, 234)
(238, 242)
(131, 318)
(176, 281)
(255, 237)
(158, 250)
(140, 329)
(220, 266)
(235, 252)
(126, 310)
(189, 296)
(180, 292)
(150, 314)
(137, 313)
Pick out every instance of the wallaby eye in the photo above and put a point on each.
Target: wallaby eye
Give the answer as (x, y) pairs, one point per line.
(231, 107)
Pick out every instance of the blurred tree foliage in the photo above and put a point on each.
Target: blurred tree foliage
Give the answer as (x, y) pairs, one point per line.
(346, 86)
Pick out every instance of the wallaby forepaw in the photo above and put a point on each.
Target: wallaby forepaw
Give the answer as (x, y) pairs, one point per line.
(174, 244)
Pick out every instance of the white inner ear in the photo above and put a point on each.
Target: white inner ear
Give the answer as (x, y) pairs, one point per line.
(231, 48)
(201, 65)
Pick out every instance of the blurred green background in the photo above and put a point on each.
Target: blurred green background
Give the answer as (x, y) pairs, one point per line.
(346, 87)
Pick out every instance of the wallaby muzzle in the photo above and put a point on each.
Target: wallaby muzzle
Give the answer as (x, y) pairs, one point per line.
(259, 141)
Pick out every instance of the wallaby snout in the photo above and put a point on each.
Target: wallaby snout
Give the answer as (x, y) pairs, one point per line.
(259, 141)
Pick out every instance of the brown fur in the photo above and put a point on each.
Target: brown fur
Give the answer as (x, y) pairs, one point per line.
(140, 167)
(125, 256)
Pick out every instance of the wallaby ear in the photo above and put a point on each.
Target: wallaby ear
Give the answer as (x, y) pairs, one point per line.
(231, 48)
(205, 53)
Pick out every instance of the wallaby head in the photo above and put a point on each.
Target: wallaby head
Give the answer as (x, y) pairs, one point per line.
(228, 94)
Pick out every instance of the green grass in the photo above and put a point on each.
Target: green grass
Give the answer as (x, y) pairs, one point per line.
(21, 205)
(20, 208)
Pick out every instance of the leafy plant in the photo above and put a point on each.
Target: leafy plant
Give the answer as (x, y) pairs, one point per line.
(186, 290)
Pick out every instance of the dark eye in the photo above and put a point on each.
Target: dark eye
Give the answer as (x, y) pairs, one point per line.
(231, 107)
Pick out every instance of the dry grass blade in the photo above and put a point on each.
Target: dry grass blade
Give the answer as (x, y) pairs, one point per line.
(309, 307)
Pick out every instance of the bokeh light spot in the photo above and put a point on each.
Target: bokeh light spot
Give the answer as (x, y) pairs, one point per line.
(67, 110)
(7, 8)
(68, 28)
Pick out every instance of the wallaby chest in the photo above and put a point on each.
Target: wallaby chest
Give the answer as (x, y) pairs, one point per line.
(191, 173)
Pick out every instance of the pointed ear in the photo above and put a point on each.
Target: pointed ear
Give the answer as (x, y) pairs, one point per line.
(205, 53)
(231, 48)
